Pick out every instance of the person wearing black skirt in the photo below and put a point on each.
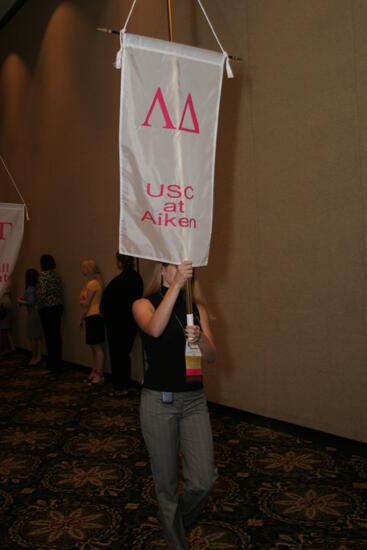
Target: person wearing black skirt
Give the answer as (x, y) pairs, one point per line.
(90, 298)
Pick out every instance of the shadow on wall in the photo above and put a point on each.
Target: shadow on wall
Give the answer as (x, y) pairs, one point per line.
(215, 275)
(222, 236)
(33, 25)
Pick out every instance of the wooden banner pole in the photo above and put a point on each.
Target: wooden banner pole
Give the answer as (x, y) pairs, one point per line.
(189, 309)
(170, 20)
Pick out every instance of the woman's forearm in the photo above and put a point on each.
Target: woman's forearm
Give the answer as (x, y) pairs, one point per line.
(207, 349)
(86, 300)
(84, 309)
(162, 314)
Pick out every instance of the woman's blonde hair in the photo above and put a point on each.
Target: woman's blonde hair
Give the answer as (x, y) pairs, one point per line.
(156, 280)
(93, 269)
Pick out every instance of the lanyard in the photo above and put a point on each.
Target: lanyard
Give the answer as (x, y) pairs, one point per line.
(178, 320)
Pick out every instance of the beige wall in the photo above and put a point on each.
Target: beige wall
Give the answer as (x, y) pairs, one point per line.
(286, 279)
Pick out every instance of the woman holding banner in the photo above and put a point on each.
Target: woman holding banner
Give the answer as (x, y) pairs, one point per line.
(173, 411)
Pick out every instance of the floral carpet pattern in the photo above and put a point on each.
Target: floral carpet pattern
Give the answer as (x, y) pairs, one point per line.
(74, 473)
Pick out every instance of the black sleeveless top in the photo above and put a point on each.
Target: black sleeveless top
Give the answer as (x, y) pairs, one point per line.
(166, 354)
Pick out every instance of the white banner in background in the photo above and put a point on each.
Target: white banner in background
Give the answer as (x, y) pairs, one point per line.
(11, 236)
(169, 108)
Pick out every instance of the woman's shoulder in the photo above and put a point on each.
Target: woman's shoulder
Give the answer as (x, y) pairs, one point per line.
(94, 284)
(153, 299)
(50, 275)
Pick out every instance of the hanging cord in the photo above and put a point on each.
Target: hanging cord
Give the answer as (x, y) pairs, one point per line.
(16, 188)
(128, 17)
(228, 66)
(118, 59)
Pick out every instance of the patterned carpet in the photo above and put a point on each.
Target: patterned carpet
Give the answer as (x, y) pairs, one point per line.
(74, 473)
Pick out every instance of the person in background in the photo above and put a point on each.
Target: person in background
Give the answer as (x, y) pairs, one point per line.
(90, 298)
(6, 316)
(173, 410)
(34, 328)
(50, 301)
(116, 304)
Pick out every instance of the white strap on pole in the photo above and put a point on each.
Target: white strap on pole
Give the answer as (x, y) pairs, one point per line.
(228, 66)
(16, 188)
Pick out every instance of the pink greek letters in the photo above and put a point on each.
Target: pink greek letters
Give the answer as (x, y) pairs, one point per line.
(168, 122)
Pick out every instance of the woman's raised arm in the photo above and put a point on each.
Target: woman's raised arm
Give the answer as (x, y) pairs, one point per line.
(154, 321)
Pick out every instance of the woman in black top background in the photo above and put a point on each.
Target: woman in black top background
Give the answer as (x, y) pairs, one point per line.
(50, 307)
(115, 306)
(173, 412)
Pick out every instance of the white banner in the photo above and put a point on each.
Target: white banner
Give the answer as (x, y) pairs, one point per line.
(169, 108)
(11, 236)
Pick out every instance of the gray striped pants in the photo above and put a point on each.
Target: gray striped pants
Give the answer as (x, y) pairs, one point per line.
(167, 428)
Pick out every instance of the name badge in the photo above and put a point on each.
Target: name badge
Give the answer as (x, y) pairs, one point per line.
(193, 363)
